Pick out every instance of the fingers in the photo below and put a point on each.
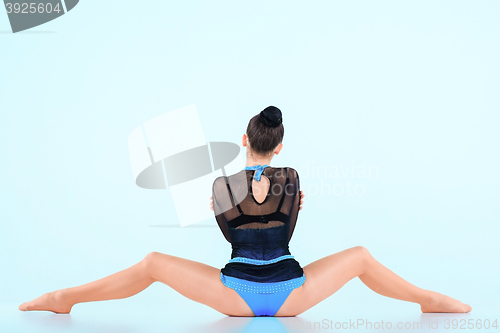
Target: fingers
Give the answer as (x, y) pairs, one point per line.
(302, 195)
(211, 203)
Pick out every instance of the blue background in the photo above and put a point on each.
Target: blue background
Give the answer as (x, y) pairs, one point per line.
(409, 89)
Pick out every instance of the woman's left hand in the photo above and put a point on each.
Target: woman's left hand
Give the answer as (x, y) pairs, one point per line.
(302, 195)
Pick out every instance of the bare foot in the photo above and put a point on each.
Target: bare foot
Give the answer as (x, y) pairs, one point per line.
(442, 303)
(53, 301)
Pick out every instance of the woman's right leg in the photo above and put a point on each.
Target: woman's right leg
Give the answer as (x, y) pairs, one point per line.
(327, 275)
(197, 281)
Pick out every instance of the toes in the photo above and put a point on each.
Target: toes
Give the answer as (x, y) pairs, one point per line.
(467, 308)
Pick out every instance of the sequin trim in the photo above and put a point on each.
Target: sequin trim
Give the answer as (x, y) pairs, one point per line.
(260, 262)
(261, 287)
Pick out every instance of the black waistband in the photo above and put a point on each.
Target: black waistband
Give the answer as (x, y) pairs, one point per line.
(244, 219)
(280, 271)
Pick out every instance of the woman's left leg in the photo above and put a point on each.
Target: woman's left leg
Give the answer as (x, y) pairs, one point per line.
(196, 281)
(327, 275)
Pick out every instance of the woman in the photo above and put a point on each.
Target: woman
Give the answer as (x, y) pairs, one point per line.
(256, 209)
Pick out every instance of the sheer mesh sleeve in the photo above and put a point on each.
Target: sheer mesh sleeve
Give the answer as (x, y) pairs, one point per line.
(293, 190)
(218, 188)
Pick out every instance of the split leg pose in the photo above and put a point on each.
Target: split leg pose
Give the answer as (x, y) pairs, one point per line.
(201, 283)
(204, 284)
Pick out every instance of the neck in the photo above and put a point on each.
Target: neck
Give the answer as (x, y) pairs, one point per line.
(253, 159)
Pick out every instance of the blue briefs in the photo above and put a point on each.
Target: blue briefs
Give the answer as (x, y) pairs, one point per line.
(264, 299)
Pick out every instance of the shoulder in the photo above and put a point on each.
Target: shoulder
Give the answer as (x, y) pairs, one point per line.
(293, 177)
(293, 172)
(219, 179)
(218, 182)
(286, 172)
(222, 181)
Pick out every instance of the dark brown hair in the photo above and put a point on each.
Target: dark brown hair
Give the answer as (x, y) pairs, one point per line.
(265, 130)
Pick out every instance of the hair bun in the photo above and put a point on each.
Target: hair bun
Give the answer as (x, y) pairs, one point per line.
(271, 116)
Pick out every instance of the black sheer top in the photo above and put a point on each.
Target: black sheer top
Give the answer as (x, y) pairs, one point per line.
(256, 230)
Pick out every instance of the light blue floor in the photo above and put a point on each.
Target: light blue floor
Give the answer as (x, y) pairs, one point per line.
(160, 309)
(158, 320)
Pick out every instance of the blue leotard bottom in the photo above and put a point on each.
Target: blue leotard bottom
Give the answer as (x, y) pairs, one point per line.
(264, 299)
